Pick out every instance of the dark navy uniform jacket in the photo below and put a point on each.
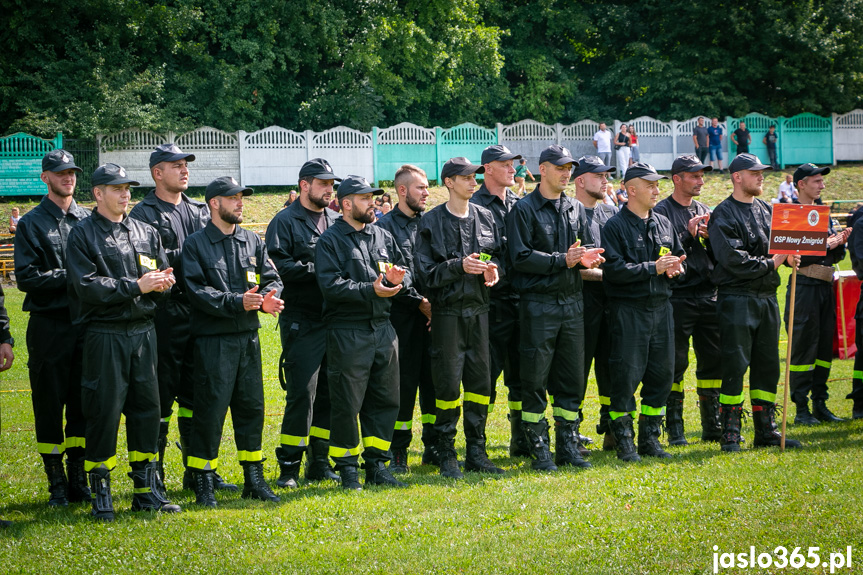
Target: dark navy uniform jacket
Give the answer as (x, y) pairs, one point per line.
(699, 261)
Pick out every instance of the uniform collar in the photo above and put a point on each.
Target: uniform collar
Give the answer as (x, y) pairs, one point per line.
(75, 210)
(486, 198)
(152, 200)
(349, 229)
(107, 224)
(215, 235)
(401, 219)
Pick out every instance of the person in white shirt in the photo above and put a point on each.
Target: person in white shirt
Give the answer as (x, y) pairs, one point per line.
(602, 143)
(787, 191)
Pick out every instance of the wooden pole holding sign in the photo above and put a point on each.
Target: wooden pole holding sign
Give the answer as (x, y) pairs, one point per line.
(797, 229)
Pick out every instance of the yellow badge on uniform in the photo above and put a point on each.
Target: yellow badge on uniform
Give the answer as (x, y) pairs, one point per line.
(484, 257)
(382, 267)
(147, 262)
(664, 251)
(251, 277)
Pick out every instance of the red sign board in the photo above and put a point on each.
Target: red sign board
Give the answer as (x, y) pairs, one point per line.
(799, 229)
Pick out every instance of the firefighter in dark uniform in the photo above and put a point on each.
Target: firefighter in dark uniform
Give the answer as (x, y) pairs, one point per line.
(175, 216)
(359, 268)
(457, 259)
(54, 345)
(410, 316)
(746, 277)
(693, 298)
(549, 240)
(590, 179)
(814, 311)
(6, 354)
(291, 240)
(229, 279)
(503, 332)
(118, 271)
(855, 249)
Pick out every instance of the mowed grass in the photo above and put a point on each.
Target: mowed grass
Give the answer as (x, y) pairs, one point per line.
(651, 517)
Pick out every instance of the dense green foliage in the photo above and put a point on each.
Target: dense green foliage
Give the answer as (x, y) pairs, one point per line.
(105, 65)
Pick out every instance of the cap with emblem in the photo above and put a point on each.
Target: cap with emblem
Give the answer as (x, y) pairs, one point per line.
(318, 168)
(591, 165)
(460, 166)
(747, 162)
(59, 160)
(356, 185)
(688, 163)
(557, 155)
(497, 153)
(806, 170)
(169, 153)
(225, 186)
(643, 171)
(111, 175)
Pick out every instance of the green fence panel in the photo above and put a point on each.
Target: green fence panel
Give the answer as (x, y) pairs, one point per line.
(758, 125)
(403, 144)
(21, 163)
(467, 140)
(806, 138)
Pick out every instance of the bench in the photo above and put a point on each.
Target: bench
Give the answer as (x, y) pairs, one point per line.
(7, 258)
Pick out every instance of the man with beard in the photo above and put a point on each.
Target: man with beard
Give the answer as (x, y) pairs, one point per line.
(359, 268)
(229, 279)
(503, 332)
(175, 216)
(693, 299)
(549, 239)
(291, 240)
(746, 277)
(591, 178)
(411, 316)
(456, 259)
(54, 345)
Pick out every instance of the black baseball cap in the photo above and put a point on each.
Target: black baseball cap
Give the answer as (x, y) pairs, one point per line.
(225, 186)
(169, 153)
(747, 162)
(460, 166)
(498, 153)
(356, 185)
(643, 171)
(688, 163)
(591, 165)
(806, 170)
(318, 168)
(557, 155)
(111, 175)
(59, 160)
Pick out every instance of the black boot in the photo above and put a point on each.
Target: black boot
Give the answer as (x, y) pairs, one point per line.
(583, 439)
(649, 430)
(57, 484)
(857, 409)
(289, 468)
(537, 438)
(623, 438)
(604, 428)
(711, 426)
(79, 490)
(448, 460)
(204, 489)
(766, 435)
(430, 456)
(518, 446)
(222, 485)
(100, 487)
(732, 417)
(673, 422)
(378, 474)
(399, 462)
(350, 477)
(822, 413)
(566, 451)
(254, 484)
(804, 417)
(477, 459)
(318, 466)
(148, 491)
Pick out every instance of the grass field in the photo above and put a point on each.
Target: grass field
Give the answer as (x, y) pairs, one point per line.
(652, 517)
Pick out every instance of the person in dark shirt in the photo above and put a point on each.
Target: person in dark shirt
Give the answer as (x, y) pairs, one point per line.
(457, 259)
(549, 240)
(118, 271)
(643, 255)
(411, 317)
(741, 138)
(54, 345)
(693, 299)
(7, 356)
(291, 240)
(769, 140)
(359, 269)
(814, 311)
(700, 140)
(746, 278)
(229, 279)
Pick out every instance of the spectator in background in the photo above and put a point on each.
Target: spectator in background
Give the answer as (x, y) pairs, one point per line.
(335, 206)
(633, 145)
(787, 191)
(291, 197)
(622, 196)
(714, 135)
(700, 140)
(770, 139)
(621, 146)
(520, 172)
(13, 221)
(741, 138)
(602, 143)
(609, 195)
(378, 211)
(385, 208)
